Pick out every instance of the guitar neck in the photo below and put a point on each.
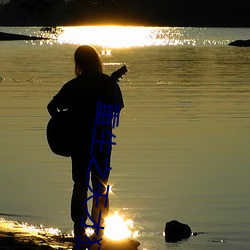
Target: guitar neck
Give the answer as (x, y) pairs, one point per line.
(119, 73)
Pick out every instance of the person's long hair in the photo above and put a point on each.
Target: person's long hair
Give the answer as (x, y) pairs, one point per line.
(87, 60)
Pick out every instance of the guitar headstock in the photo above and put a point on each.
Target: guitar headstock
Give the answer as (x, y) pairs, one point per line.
(119, 73)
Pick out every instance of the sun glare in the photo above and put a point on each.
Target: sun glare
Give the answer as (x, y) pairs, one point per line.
(119, 229)
(106, 36)
(110, 37)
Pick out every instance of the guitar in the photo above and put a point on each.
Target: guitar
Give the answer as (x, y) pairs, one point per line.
(60, 126)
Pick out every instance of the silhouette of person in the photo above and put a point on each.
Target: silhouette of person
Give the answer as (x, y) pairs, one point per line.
(80, 96)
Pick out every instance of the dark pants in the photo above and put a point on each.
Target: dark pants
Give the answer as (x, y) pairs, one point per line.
(80, 162)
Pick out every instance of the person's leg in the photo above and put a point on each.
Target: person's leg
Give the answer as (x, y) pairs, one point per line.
(78, 210)
(100, 186)
(80, 162)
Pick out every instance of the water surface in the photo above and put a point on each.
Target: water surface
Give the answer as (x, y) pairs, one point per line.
(182, 144)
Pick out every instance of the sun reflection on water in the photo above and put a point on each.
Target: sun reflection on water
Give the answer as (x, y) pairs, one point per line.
(118, 228)
(107, 36)
(110, 37)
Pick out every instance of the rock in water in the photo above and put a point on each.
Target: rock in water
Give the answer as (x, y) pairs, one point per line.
(176, 231)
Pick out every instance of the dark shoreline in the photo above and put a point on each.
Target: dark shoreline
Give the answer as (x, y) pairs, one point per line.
(17, 37)
(9, 241)
(240, 43)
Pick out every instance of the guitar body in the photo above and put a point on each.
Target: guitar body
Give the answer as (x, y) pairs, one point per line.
(61, 130)
(59, 133)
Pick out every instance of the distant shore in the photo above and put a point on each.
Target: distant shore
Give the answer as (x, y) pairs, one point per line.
(14, 37)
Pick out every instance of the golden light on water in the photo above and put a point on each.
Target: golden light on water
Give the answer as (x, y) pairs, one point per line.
(110, 37)
(106, 36)
(117, 228)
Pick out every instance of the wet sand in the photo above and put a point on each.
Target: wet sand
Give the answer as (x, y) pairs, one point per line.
(9, 241)
(15, 235)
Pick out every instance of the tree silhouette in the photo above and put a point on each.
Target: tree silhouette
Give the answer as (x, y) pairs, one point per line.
(37, 6)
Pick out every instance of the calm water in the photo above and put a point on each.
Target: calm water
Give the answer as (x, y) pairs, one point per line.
(182, 144)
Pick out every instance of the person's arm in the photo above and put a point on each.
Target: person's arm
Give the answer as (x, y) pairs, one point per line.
(52, 108)
(61, 100)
